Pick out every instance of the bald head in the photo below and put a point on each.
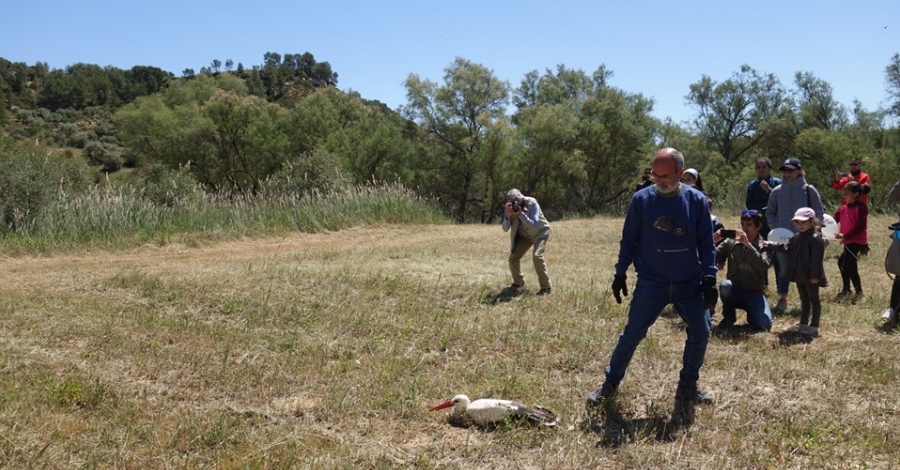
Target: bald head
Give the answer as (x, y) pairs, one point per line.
(668, 166)
(669, 156)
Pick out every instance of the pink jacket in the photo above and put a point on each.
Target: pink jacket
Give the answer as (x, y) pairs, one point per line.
(854, 220)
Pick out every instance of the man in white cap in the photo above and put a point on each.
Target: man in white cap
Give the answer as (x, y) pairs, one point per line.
(528, 229)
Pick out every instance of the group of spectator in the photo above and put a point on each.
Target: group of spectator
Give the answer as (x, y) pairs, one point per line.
(677, 247)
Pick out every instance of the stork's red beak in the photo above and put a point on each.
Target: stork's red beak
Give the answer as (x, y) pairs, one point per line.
(446, 404)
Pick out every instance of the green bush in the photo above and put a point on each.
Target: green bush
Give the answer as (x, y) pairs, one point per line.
(31, 179)
(98, 154)
(318, 170)
(171, 188)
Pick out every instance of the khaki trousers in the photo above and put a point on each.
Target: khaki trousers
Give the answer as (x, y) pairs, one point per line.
(537, 256)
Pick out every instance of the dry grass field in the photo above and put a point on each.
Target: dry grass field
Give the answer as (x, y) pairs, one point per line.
(326, 351)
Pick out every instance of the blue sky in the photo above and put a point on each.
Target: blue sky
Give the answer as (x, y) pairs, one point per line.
(657, 48)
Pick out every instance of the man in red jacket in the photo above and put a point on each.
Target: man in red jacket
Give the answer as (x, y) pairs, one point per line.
(856, 174)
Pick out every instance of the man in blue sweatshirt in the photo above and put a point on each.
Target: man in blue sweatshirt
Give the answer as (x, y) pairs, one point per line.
(668, 236)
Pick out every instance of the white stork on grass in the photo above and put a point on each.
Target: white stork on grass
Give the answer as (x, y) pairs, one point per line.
(493, 412)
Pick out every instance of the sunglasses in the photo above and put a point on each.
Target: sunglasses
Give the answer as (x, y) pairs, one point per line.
(854, 164)
(749, 213)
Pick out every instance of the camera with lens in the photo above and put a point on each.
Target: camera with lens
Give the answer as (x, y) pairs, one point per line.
(516, 207)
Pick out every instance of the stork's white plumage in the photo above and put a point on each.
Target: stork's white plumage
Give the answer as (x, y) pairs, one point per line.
(489, 412)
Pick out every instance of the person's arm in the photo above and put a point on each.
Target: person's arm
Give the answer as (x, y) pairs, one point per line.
(772, 208)
(817, 258)
(748, 200)
(722, 252)
(631, 234)
(757, 258)
(815, 201)
(839, 183)
(506, 222)
(865, 179)
(531, 217)
(706, 248)
(859, 228)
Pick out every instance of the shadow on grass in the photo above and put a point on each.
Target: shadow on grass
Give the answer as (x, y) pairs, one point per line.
(506, 295)
(791, 338)
(616, 430)
(736, 333)
(889, 327)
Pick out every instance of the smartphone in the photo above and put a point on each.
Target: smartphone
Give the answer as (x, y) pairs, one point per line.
(729, 234)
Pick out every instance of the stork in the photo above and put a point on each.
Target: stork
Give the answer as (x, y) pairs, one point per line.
(491, 412)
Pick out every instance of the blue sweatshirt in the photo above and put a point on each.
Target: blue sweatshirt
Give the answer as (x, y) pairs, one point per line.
(669, 238)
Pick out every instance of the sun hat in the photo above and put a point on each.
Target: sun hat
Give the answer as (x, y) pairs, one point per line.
(804, 214)
(691, 171)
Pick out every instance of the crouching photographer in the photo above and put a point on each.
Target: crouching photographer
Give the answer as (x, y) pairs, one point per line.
(528, 229)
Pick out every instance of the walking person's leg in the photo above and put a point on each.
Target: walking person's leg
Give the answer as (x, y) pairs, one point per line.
(540, 265)
(852, 252)
(845, 273)
(648, 300)
(812, 291)
(759, 315)
(782, 282)
(696, 318)
(728, 294)
(518, 251)
(804, 303)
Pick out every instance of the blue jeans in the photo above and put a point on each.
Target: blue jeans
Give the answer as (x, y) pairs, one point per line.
(782, 283)
(647, 302)
(755, 303)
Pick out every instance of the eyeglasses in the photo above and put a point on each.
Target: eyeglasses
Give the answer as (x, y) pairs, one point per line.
(749, 213)
(664, 177)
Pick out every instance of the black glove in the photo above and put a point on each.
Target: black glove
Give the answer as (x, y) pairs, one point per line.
(619, 287)
(709, 292)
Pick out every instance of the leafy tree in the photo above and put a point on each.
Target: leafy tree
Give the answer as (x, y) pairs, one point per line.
(244, 144)
(580, 137)
(456, 117)
(369, 142)
(892, 73)
(816, 103)
(733, 115)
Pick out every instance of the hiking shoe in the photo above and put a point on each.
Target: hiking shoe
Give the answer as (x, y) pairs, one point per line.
(544, 291)
(691, 394)
(596, 398)
(723, 326)
(810, 330)
(516, 287)
(888, 314)
(842, 294)
(781, 306)
(796, 328)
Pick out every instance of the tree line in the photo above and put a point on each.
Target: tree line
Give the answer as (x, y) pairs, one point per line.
(563, 135)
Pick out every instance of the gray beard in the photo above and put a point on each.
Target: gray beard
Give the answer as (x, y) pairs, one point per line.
(668, 190)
